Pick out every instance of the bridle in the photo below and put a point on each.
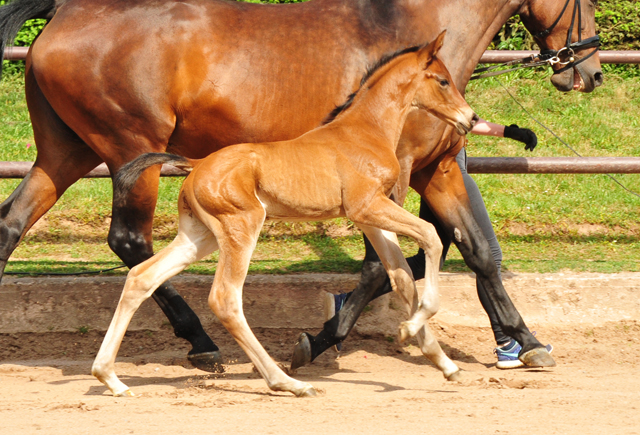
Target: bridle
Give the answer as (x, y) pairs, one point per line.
(565, 57)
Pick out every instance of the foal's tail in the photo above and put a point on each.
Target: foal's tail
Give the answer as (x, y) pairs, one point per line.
(128, 175)
(14, 14)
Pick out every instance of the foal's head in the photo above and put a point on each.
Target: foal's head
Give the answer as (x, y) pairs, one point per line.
(436, 92)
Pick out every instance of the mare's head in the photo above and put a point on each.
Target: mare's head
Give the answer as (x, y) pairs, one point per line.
(569, 27)
(436, 92)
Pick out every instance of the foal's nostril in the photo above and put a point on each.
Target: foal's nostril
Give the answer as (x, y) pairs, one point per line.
(475, 119)
(598, 78)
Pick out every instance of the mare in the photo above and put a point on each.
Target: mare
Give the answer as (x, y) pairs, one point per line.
(345, 168)
(109, 80)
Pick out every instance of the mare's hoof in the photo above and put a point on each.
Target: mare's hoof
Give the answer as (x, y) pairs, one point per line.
(207, 361)
(302, 352)
(538, 357)
(309, 392)
(125, 393)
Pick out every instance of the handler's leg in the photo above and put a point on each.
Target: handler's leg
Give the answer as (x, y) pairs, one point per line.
(484, 222)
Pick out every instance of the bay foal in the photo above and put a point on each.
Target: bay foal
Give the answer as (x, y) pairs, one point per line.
(347, 167)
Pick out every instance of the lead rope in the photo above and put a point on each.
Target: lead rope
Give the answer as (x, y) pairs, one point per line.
(560, 139)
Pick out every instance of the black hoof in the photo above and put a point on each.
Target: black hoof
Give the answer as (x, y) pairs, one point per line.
(207, 361)
(302, 352)
(538, 357)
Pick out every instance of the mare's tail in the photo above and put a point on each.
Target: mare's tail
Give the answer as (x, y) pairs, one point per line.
(128, 175)
(14, 14)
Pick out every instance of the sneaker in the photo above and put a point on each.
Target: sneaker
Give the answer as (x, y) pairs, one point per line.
(508, 355)
(332, 304)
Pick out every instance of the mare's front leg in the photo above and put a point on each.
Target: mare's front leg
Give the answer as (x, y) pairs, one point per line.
(130, 237)
(442, 187)
(194, 241)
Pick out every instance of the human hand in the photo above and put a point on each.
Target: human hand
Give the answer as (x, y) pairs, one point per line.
(524, 135)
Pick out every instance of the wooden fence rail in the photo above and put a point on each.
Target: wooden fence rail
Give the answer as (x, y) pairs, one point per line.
(475, 165)
(489, 56)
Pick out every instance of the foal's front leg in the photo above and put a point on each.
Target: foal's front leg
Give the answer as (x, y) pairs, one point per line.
(385, 214)
(187, 247)
(130, 238)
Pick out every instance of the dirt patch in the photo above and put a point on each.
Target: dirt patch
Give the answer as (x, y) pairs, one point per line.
(567, 229)
(375, 387)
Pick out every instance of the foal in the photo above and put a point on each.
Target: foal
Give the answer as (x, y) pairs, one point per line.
(347, 167)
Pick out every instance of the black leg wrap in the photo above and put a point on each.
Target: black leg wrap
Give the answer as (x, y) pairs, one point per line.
(185, 322)
(374, 282)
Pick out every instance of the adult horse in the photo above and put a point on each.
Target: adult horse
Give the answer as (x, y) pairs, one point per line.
(108, 80)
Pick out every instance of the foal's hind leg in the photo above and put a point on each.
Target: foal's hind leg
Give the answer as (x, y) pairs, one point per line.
(130, 237)
(193, 242)
(237, 241)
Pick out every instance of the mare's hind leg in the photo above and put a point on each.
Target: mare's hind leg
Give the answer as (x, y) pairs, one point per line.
(63, 158)
(130, 237)
(237, 239)
(193, 242)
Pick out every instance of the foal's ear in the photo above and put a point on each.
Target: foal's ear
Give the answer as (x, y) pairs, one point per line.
(427, 54)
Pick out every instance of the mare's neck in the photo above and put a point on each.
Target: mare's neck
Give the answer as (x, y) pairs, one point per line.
(470, 25)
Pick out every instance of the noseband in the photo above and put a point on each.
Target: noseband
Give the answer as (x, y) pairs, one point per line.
(565, 57)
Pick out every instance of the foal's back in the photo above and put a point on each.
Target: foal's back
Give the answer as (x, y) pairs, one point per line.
(291, 180)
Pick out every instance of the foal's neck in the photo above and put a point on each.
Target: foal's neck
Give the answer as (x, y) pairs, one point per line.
(382, 104)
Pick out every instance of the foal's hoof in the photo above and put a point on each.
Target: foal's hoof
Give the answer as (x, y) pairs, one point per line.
(456, 377)
(309, 392)
(407, 330)
(207, 361)
(125, 393)
(538, 357)
(302, 352)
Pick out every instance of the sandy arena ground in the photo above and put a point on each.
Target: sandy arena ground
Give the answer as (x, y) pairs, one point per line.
(376, 387)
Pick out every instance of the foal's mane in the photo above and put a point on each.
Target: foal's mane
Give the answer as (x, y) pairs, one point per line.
(370, 71)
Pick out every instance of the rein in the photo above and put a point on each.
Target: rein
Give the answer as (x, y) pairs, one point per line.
(564, 57)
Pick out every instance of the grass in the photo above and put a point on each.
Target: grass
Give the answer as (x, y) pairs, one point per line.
(545, 223)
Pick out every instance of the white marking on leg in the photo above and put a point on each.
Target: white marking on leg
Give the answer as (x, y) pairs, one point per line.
(457, 235)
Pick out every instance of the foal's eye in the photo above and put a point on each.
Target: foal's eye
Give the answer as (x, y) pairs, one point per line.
(444, 83)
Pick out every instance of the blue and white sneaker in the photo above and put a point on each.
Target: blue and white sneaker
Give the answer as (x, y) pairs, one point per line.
(333, 304)
(508, 355)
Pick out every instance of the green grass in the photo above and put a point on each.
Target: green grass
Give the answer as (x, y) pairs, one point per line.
(545, 223)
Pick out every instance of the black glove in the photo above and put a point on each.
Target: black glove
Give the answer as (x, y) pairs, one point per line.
(524, 135)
